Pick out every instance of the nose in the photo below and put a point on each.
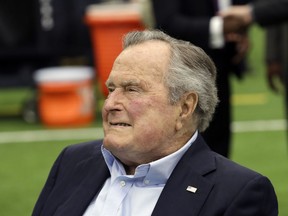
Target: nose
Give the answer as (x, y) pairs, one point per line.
(113, 101)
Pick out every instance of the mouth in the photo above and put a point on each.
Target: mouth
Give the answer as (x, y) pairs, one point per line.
(120, 124)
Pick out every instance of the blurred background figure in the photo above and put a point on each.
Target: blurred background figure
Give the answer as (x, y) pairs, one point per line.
(39, 34)
(267, 13)
(262, 12)
(197, 22)
(277, 60)
(35, 34)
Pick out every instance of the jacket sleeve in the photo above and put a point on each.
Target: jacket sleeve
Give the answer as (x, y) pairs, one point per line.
(190, 26)
(270, 12)
(49, 185)
(257, 197)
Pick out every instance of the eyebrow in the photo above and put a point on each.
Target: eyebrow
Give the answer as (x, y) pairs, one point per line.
(131, 82)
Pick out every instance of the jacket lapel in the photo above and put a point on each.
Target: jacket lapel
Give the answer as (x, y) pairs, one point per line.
(79, 200)
(177, 198)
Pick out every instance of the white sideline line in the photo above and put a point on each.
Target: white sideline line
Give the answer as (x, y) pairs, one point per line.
(97, 133)
(50, 135)
(260, 125)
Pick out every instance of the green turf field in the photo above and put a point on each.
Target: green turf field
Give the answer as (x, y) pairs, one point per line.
(24, 165)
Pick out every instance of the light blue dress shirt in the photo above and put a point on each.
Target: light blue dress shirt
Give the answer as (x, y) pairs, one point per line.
(134, 195)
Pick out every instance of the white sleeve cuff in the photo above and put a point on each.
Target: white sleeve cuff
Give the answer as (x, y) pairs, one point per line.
(216, 32)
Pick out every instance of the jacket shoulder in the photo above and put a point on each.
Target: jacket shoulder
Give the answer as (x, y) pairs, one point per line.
(82, 151)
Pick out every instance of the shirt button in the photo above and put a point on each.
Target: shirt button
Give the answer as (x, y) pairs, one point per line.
(146, 181)
(122, 183)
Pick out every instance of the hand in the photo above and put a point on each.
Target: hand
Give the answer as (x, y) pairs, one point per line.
(242, 45)
(233, 25)
(274, 72)
(238, 18)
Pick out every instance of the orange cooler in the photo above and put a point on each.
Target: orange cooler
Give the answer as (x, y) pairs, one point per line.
(108, 24)
(66, 96)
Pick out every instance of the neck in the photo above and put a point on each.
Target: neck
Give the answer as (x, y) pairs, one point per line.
(130, 170)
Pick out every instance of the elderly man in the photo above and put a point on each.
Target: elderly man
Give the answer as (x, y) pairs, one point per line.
(152, 160)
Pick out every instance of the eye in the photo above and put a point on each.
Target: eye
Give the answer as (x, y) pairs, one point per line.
(111, 89)
(131, 89)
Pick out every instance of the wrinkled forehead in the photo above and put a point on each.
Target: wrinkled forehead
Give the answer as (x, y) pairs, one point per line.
(150, 58)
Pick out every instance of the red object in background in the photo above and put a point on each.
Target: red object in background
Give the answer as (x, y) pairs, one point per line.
(108, 23)
(65, 96)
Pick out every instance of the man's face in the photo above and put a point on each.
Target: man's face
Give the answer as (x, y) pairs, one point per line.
(139, 122)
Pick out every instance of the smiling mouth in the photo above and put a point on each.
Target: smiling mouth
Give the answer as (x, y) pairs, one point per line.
(120, 124)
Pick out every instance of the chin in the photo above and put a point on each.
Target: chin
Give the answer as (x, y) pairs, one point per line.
(113, 143)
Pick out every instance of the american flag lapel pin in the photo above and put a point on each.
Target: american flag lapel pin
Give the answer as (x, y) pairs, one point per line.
(191, 189)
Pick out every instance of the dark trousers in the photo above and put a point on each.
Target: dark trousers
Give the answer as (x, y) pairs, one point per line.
(218, 134)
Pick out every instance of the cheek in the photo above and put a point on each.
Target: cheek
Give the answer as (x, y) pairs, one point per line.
(137, 108)
(152, 115)
(104, 113)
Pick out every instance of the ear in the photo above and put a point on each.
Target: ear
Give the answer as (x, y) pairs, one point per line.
(188, 105)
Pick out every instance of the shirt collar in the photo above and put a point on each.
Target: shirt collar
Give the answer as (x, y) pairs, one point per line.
(153, 173)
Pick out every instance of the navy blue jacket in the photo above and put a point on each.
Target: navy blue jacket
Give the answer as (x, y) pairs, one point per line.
(224, 188)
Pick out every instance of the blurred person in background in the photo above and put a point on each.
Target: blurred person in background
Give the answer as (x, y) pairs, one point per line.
(38, 34)
(269, 12)
(276, 55)
(277, 60)
(153, 160)
(198, 22)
